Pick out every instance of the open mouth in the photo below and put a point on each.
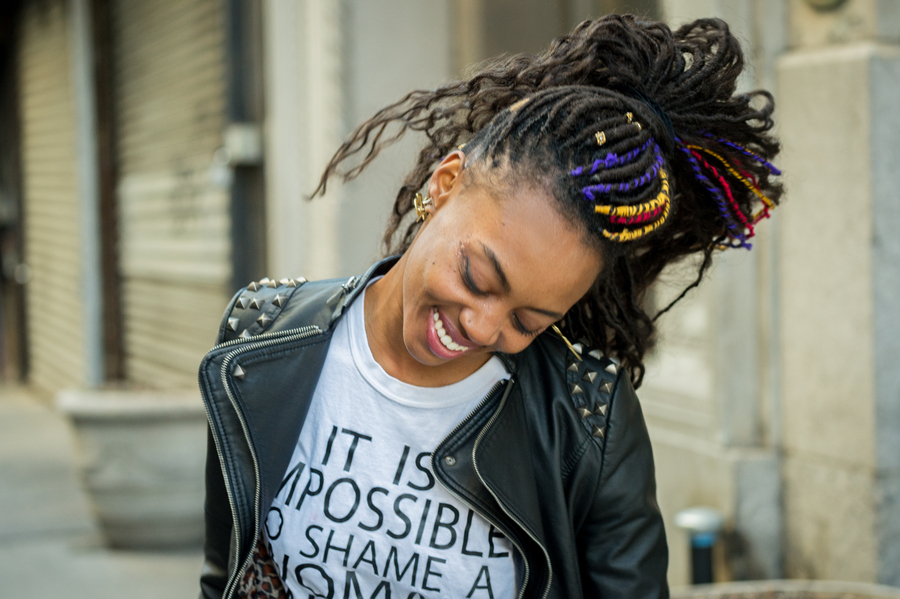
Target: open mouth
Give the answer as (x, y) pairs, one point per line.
(443, 336)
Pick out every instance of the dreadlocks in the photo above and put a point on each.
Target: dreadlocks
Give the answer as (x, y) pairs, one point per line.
(635, 130)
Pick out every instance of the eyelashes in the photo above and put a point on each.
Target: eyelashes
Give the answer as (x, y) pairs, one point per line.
(524, 331)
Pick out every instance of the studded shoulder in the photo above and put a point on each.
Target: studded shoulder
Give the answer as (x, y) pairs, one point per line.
(256, 306)
(591, 379)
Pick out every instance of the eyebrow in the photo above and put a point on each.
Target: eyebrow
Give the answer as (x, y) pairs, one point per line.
(505, 282)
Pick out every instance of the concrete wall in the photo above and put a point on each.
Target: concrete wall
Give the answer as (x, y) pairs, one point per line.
(840, 282)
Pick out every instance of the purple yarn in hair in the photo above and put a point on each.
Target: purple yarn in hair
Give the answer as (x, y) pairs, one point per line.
(627, 186)
(611, 160)
(720, 199)
(746, 152)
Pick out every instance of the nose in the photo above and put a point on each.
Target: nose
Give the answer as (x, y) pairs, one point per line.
(482, 323)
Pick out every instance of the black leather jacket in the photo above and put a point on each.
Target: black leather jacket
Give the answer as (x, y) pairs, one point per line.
(557, 458)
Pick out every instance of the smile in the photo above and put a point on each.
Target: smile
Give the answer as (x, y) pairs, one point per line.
(442, 335)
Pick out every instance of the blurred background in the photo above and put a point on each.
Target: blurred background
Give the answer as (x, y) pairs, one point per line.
(154, 156)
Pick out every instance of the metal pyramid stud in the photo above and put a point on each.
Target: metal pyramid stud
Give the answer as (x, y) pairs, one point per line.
(606, 387)
(611, 368)
(578, 347)
(269, 283)
(290, 283)
(238, 372)
(575, 388)
(589, 376)
(243, 302)
(264, 319)
(598, 431)
(245, 335)
(283, 281)
(254, 286)
(584, 412)
(600, 409)
(595, 353)
(300, 280)
(279, 300)
(256, 303)
(264, 281)
(573, 367)
(233, 323)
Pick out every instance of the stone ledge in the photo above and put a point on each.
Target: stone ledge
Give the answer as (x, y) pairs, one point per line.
(788, 589)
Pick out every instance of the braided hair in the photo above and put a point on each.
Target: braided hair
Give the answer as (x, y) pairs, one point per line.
(636, 131)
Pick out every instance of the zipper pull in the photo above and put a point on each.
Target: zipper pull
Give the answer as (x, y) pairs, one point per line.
(346, 287)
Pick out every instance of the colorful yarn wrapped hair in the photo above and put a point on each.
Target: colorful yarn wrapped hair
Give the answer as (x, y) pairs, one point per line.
(638, 206)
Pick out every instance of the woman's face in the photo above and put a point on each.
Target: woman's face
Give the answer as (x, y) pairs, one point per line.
(492, 266)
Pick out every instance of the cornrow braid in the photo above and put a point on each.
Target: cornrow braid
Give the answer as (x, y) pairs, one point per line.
(634, 129)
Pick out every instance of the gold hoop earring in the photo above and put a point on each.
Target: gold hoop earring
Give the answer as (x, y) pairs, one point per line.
(420, 205)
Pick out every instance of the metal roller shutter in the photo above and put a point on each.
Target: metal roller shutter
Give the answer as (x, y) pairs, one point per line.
(174, 224)
(52, 234)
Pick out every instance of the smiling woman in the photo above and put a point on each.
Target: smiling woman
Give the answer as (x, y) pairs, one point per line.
(427, 429)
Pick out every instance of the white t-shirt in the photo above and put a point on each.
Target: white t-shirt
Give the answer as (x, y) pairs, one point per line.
(359, 512)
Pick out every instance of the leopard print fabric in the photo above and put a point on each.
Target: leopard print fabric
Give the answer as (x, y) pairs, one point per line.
(261, 579)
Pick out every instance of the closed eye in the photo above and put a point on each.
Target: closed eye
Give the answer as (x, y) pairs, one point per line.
(522, 329)
(469, 281)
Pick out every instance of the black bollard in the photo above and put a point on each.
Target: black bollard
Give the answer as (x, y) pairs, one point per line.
(701, 558)
(702, 525)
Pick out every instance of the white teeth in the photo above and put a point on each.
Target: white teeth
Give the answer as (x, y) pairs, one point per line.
(446, 340)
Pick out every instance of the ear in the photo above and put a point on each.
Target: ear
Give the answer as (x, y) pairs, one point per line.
(446, 177)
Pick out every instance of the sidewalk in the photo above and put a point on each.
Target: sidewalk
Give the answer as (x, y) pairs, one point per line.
(49, 544)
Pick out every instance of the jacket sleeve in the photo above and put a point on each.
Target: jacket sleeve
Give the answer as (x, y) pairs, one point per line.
(622, 543)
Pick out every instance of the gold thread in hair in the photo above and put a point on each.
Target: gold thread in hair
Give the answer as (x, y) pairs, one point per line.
(601, 137)
(566, 341)
(638, 125)
(514, 107)
(460, 146)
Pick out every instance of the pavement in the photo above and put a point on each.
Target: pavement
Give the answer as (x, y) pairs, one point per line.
(50, 546)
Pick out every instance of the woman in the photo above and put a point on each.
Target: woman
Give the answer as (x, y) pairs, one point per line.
(427, 429)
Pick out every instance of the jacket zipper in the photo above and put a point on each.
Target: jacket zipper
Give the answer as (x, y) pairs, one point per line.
(478, 439)
(462, 499)
(269, 339)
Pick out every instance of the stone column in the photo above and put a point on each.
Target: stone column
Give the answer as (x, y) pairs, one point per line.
(840, 263)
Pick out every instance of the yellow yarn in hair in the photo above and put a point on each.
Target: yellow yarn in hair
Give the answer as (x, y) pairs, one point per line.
(662, 199)
(631, 235)
(769, 203)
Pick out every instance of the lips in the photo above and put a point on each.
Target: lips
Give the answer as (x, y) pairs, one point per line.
(444, 338)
